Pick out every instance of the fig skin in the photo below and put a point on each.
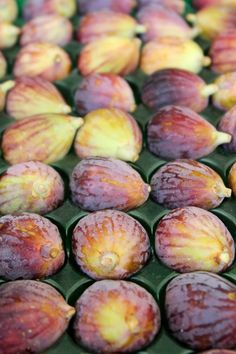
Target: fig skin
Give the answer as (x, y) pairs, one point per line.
(4, 88)
(225, 97)
(175, 5)
(8, 35)
(187, 182)
(30, 186)
(200, 310)
(108, 233)
(182, 240)
(99, 183)
(227, 124)
(232, 178)
(31, 247)
(219, 351)
(33, 316)
(122, 6)
(8, 10)
(223, 52)
(65, 8)
(116, 316)
(3, 65)
(199, 4)
(177, 132)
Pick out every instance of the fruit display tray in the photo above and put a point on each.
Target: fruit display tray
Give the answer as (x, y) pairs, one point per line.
(154, 276)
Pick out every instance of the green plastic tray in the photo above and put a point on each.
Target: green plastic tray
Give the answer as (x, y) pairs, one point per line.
(154, 276)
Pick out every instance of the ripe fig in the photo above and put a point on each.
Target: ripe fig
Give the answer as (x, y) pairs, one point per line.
(8, 10)
(223, 52)
(99, 183)
(187, 182)
(200, 310)
(199, 4)
(30, 186)
(123, 6)
(108, 233)
(3, 65)
(32, 8)
(228, 125)
(225, 97)
(104, 91)
(4, 88)
(175, 5)
(8, 35)
(178, 132)
(116, 316)
(232, 178)
(33, 316)
(109, 133)
(31, 247)
(219, 351)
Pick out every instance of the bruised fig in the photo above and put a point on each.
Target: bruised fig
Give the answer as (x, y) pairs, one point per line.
(4, 88)
(8, 10)
(3, 65)
(232, 179)
(33, 316)
(176, 87)
(8, 34)
(101, 183)
(200, 310)
(177, 132)
(108, 233)
(175, 5)
(32, 8)
(187, 182)
(228, 125)
(116, 316)
(30, 186)
(189, 239)
(31, 247)
(225, 97)
(199, 4)
(223, 52)
(123, 6)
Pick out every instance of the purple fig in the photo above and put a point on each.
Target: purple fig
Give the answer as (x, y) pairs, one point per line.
(228, 125)
(123, 6)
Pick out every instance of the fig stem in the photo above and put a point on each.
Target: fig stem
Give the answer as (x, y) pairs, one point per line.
(6, 86)
(209, 90)
(65, 108)
(192, 18)
(77, 122)
(206, 61)
(140, 29)
(133, 108)
(195, 31)
(222, 138)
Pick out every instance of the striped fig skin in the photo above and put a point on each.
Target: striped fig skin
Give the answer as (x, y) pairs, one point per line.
(189, 239)
(225, 97)
(8, 35)
(104, 91)
(177, 132)
(232, 178)
(100, 183)
(3, 65)
(33, 316)
(188, 183)
(116, 316)
(31, 247)
(175, 5)
(227, 124)
(199, 4)
(44, 137)
(30, 186)
(223, 52)
(122, 6)
(9, 10)
(99, 241)
(4, 88)
(201, 310)
(65, 8)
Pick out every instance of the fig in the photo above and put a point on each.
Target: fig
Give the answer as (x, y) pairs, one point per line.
(42, 59)
(3, 65)
(200, 310)
(232, 178)
(187, 182)
(4, 88)
(116, 316)
(108, 233)
(65, 8)
(177, 132)
(122, 6)
(99, 183)
(189, 239)
(109, 133)
(223, 52)
(176, 87)
(31, 247)
(30, 186)
(8, 35)
(44, 137)
(33, 316)
(103, 56)
(171, 52)
(32, 96)
(219, 351)
(47, 28)
(225, 97)
(8, 10)
(228, 125)
(199, 4)
(104, 91)
(175, 5)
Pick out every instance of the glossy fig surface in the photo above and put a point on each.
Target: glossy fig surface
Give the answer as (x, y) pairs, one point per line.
(225, 96)
(32, 8)
(227, 124)
(123, 6)
(223, 52)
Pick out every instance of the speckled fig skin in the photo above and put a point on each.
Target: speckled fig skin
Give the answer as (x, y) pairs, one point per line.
(188, 183)
(103, 56)
(227, 124)
(223, 52)
(175, 5)
(99, 183)
(30, 186)
(33, 316)
(8, 10)
(3, 65)
(109, 133)
(44, 137)
(199, 4)
(177, 132)
(189, 239)
(4, 88)
(123, 6)
(32, 8)
(200, 310)
(47, 28)
(225, 97)
(32, 96)
(116, 316)
(232, 178)
(46, 60)
(8, 35)
(31, 247)
(219, 351)
(176, 87)
(104, 91)
(110, 245)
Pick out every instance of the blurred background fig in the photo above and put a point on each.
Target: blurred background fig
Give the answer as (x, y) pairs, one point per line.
(4, 88)
(123, 6)
(46, 60)
(186, 182)
(190, 239)
(8, 10)
(8, 35)
(104, 56)
(175, 5)
(119, 245)
(223, 52)
(227, 124)
(101, 183)
(109, 133)
(219, 351)
(47, 28)
(31, 247)
(44, 137)
(116, 316)
(177, 132)
(176, 87)
(3, 66)
(199, 4)
(30, 186)
(104, 91)
(32, 96)
(232, 178)
(40, 310)
(32, 8)
(225, 97)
